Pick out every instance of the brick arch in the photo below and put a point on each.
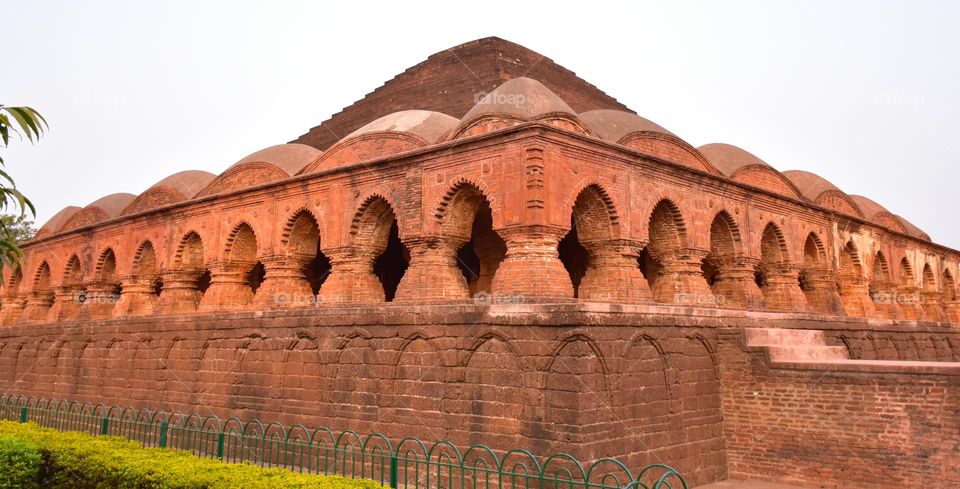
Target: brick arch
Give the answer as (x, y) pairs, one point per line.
(418, 374)
(929, 278)
(372, 222)
(485, 337)
(850, 263)
(662, 356)
(667, 231)
(907, 278)
(241, 245)
(881, 269)
(949, 286)
(458, 209)
(773, 246)
(72, 271)
(725, 235)
(576, 360)
(494, 395)
(106, 267)
(145, 260)
(301, 233)
(814, 252)
(190, 252)
(13, 283)
(595, 214)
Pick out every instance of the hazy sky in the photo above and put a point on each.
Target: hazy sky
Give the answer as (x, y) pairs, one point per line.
(861, 93)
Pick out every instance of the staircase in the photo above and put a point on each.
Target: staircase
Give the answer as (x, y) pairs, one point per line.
(794, 345)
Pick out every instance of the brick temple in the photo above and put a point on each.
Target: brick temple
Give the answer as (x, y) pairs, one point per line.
(489, 249)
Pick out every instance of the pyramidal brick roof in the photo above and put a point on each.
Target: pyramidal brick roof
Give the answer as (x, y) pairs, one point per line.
(452, 81)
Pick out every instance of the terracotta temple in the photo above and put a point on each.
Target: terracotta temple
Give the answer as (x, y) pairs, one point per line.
(488, 248)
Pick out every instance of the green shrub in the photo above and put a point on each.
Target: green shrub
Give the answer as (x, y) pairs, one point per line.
(82, 461)
(20, 463)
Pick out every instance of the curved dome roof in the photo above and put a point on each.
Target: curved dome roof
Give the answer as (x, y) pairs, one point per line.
(869, 207)
(426, 124)
(57, 221)
(523, 98)
(913, 230)
(818, 190)
(729, 158)
(290, 158)
(613, 125)
(113, 204)
(187, 182)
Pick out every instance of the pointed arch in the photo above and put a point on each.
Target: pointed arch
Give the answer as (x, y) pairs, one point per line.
(929, 279)
(850, 263)
(814, 252)
(949, 286)
(241, 245)
(72, 272)
(106, 267)
(724, 235)
(190, 254)
(372, 222)
(667, 231)
(301, 233)
(881, 270)
(907, 279)
(773, 246)
(145, 261)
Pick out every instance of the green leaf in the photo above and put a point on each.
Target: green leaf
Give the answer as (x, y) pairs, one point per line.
(25, 119)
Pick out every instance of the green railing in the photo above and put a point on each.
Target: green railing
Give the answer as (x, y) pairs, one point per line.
(409, 463)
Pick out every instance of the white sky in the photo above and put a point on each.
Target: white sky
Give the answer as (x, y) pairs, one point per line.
(861, 93)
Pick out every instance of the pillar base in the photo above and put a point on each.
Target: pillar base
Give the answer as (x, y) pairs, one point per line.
(782, 291)
(433, 274)
(736, 284)
(613, 274)
(532, 269)
(284, 284)
(179, 293)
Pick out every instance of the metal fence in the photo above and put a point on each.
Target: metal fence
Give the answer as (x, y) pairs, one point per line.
(409, 463)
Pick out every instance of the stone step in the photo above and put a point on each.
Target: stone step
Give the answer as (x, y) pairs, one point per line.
(806, 353)
(784, 337)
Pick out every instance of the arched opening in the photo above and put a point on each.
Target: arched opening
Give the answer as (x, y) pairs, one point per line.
(466, 230)
(13, 300)
(883, 288)
(479, 259)
(145, 268)
(932, 297)
(600, 266)
(725, 269)
(673, 278)
(854, 290)
(106, 288)
(190, 259)
(71, 293)
(777, 279)
(376, 237)
(303, 245)
(185, 283)
(41, 294)
(951, 302)
(908, 294)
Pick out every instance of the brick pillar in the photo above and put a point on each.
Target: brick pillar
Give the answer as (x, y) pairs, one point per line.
(884, 296)
(821, 292)
(910, 304)
(782, 291)
(66, 303)
(855, 294)
(284, 283)
(137, 297)
(38, 305)
(179, 293)
(736, 282)
(13, 305)
(229, 289)
(932, 308)
(351, 279)
(681, 279)
(613, 273)
(100, 302)
(532, 266)
(433, 273)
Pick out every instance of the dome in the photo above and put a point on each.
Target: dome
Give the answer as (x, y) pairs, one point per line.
(522, 98)
(290, 158)
(112, 204)
(913, 230)
(821, 192)
(172, 189)
(614, 125)
(57, 221)
(729, 158)
(187, 183)
(870, 208)
(425, 124)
